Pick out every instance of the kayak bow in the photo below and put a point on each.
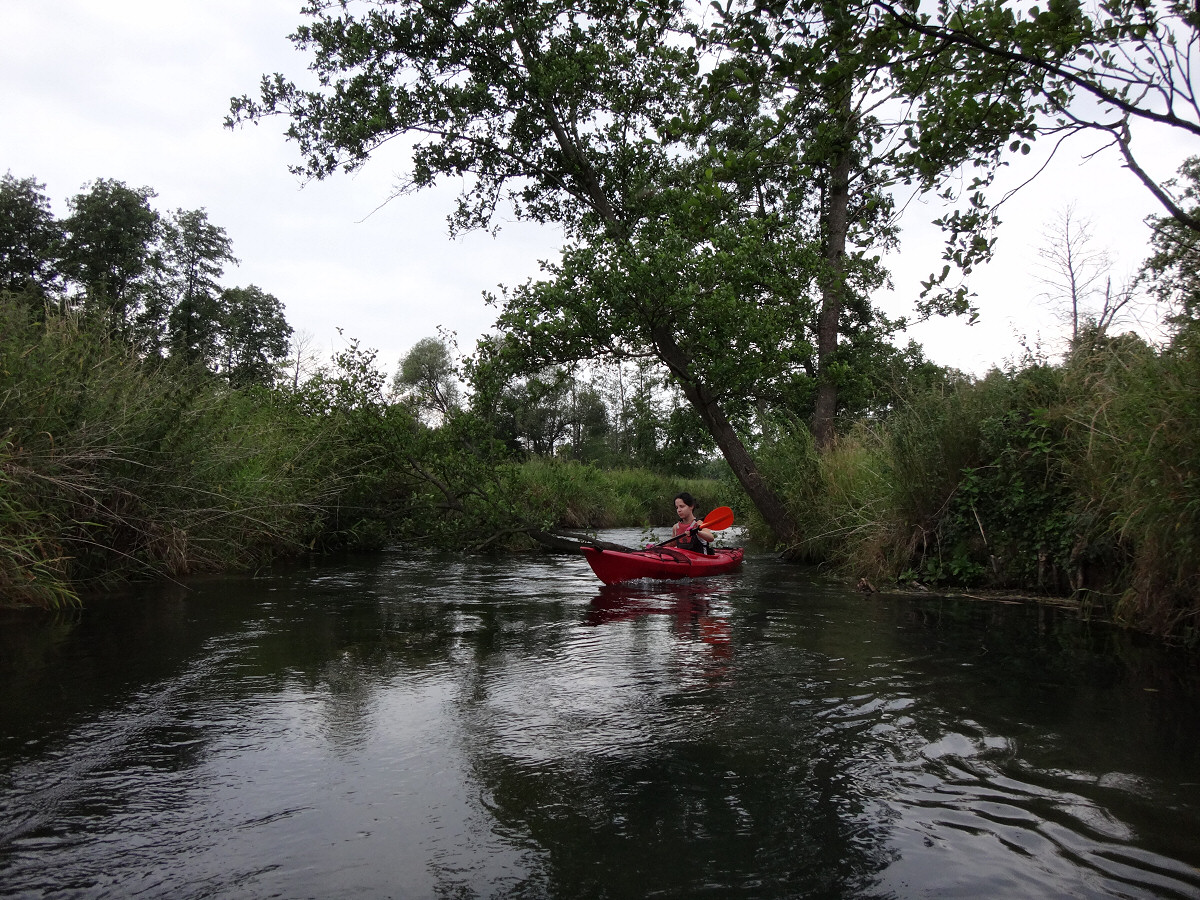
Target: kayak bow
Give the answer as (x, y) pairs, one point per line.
(613, 566)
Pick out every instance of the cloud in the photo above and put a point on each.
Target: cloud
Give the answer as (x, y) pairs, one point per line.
(138, 90)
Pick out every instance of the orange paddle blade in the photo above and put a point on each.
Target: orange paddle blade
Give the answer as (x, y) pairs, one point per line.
(719, 519)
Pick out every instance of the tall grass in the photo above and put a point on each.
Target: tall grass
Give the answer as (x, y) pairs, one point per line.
(1135, 436)
(113, 467)
(1079, 479)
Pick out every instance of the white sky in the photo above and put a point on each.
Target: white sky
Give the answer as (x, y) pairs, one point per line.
(137, 90)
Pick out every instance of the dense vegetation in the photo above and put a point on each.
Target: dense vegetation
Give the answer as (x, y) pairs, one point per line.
(130, 449)
(726, 185)
(1073, 478)
(1077, 479)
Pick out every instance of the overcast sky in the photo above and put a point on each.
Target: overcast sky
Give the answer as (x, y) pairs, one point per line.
(137, 90)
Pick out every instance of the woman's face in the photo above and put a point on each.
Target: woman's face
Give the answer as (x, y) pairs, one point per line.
(685, 512)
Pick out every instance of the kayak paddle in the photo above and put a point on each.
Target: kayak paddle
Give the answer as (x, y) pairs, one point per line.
(718, 520)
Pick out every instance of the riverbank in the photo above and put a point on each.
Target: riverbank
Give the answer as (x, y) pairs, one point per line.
(1074, 480)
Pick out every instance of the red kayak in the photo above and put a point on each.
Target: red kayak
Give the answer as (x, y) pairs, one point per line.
(613, 566)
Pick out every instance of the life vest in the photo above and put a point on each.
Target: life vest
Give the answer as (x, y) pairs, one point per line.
(692, 541)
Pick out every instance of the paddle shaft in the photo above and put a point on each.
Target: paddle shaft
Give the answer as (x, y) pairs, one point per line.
(718, 520)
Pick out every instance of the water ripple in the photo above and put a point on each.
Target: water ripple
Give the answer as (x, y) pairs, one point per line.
(424, 725)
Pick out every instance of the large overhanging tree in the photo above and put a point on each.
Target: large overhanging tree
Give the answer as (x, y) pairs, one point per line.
(720, 175)
(565, 111)
(696, 218)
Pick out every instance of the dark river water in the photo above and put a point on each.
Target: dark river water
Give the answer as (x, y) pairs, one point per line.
(419, 725)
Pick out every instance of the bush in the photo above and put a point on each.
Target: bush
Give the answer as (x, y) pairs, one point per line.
(114, 467)
(1135, 439)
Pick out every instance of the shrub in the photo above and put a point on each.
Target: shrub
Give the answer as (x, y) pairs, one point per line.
(1135, 439)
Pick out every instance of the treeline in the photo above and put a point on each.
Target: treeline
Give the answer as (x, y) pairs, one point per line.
(612, 416)
(143, 279)
(126, 451)
(154, 423)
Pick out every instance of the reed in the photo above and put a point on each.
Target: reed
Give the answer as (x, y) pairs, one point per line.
(1135, 433)
(115, 467)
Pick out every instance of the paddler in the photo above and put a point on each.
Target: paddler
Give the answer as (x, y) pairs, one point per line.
(695, 538)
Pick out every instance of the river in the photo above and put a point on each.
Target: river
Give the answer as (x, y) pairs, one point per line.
(421, 725)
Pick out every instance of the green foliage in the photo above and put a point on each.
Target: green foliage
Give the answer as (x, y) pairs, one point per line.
(536, 414)
(976, 492)
(790, 461)
(694, 208)
(196, 252)
(255, 336)
(1010, 521)
(33, 569)
(109, 252)
(116, 466)
(1135, 442)
(1172, 273)
(145, 280)
(426, 377)
(30, 240)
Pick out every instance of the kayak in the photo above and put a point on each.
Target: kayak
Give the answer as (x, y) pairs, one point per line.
(613, 566)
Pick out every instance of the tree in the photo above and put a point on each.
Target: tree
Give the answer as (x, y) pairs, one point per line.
(534, 414)
(637, 394)
(254, 336)
(1172, 273)
(303, 360)
(195, 253)
(111, 234)
(426, 377)
(862, 101)
(1077, 277)
(30, 239)
(1062, 70)
(588, 422)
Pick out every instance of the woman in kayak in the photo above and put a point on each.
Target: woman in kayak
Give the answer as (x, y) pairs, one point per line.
(694, 538)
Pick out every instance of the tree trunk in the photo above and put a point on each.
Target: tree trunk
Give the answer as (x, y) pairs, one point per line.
(765, 500)
(834, 282)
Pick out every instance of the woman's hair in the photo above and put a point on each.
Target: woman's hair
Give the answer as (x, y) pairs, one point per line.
(686, 498)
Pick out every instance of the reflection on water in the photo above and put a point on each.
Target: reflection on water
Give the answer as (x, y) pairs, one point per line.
(423, 725)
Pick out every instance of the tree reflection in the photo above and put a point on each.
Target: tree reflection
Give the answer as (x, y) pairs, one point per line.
(635, 778)
(698, 619)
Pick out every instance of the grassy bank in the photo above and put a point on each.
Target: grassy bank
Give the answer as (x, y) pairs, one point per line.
(116, 467)
(1077, 479)
(572, 495)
